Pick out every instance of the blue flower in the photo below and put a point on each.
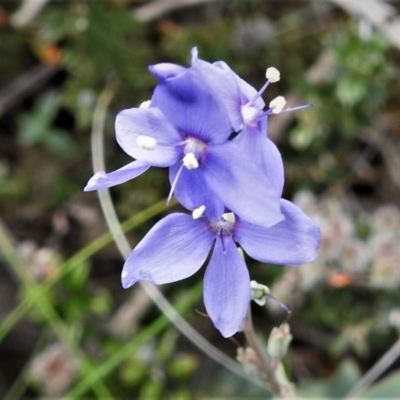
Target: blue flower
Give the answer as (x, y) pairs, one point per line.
(187, 128)
(177, 246)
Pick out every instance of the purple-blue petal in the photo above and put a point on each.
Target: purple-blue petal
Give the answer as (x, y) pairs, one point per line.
(192, 107)
(264, 152)
(192, 191)
(226, 288)
(103, 180)
(174, 249)
(247, 92)
(292, 241)
(135, 122)
(225, 87)
(242, 185)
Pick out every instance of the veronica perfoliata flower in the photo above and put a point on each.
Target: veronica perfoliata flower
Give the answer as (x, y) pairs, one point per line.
(177, 246)
(187, 128)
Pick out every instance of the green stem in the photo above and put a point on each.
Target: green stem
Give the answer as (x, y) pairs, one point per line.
(45, 308)
(118, 357)
(267, 369)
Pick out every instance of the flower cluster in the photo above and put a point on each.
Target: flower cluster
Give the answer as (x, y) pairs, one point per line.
(209, 127)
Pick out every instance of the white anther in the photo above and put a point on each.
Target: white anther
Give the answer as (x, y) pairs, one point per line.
(277, 104)
(146, 142)
(145, 104)
(249, 114)
(198, 212)
(273, 75)
(190, 161)
(124, 274)
(229, 217)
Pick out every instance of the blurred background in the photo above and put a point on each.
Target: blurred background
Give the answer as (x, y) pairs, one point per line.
(68, 329)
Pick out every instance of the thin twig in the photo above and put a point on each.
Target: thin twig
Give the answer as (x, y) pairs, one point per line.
(24, 86)
(266, 366)
(377, 370)
(156, 9)
(28, 10)
(382, 15)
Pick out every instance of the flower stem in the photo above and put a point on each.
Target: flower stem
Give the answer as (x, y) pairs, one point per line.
(266, 365)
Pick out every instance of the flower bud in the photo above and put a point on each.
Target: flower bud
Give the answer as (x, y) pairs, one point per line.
(249, 360)
(259, 293)
(278, 342)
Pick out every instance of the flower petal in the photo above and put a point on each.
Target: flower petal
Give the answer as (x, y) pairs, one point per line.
(292, 241)
(135, 122)
(242, 184)
(103, 180)
(264, 152)
(192, 107)
(174, 249)
(192, 191)
(226, 288)
(247, 92)
(225, 86)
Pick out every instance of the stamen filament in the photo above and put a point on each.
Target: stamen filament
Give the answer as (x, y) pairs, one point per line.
(259, 93)
(269, 111)
(171, 192)
(284, 306)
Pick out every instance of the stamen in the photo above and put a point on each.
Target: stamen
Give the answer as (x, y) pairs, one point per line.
(229, 217)
(146, 142)
(145, 104)
(190, 161)
(273, 75)
(298, 108)
(198, 212)
(171, 192)
(277, 104)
